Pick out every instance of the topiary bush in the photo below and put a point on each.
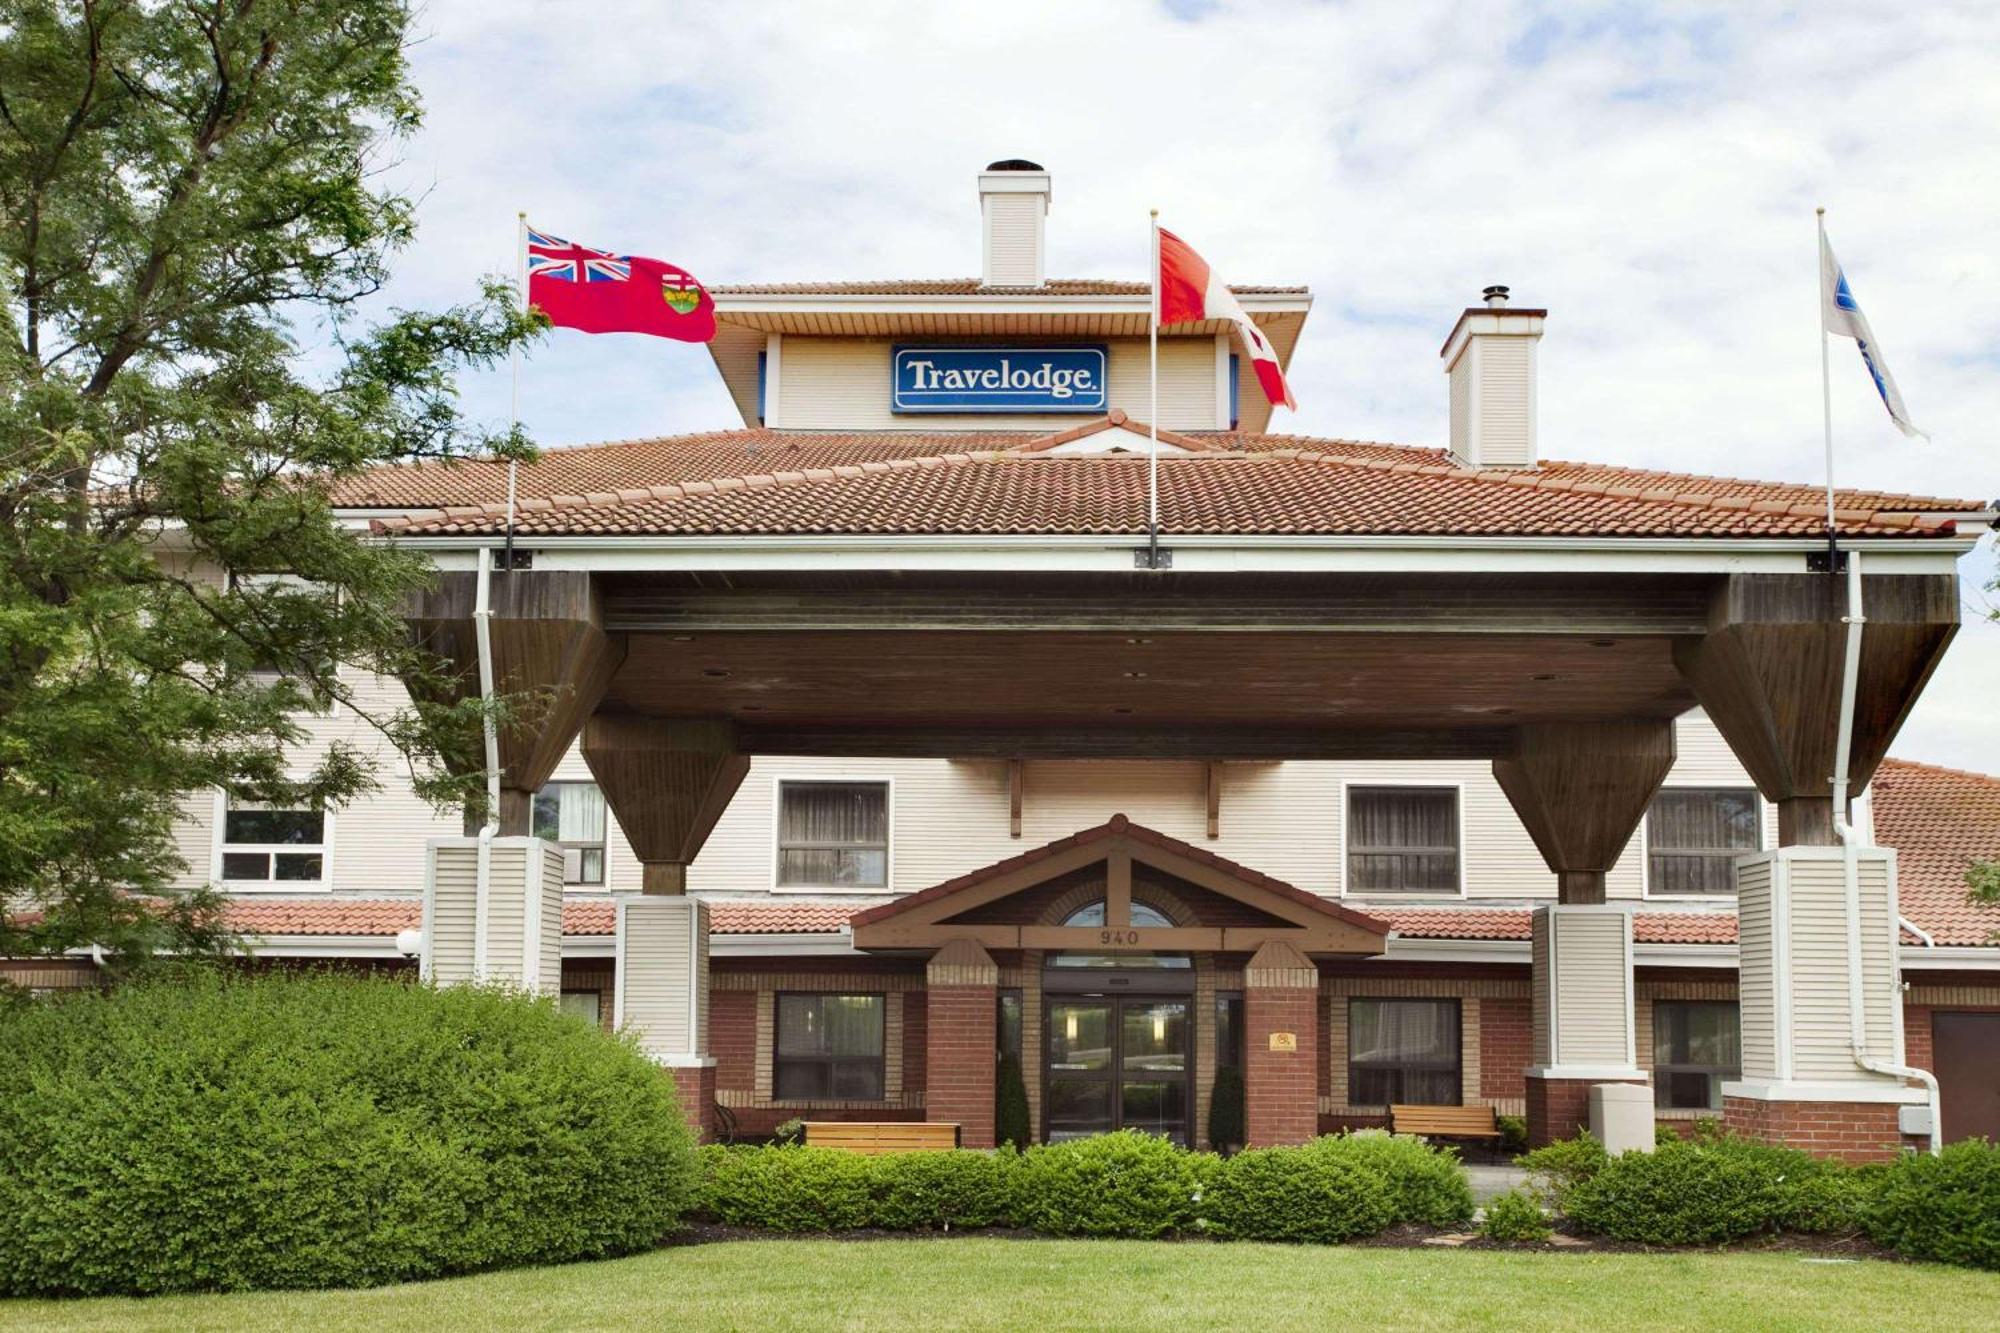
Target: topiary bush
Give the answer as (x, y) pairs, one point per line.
(1516, 1217)
(1296, 1194)
(789, 1187)
(1424, 1184)
(213, 1132)
(1225, 1110)
(1945, 1207)
(941, 1191)
(1010, 1111)
(1123, 1184)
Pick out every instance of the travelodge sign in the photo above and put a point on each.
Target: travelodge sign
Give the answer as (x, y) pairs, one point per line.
(998, 379)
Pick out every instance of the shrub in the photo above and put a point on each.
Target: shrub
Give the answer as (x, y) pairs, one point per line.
(1123, 1184)
(1513, 1133)
(1559, 1167)
(1225, 1109)
(1297, 1194)
(1010, 1112)
(789, 1187)
(1424, 1184)
(1516, 1216)
(313, 1130)
(941, 1191)
(1687, 1193)
(1945, 1207)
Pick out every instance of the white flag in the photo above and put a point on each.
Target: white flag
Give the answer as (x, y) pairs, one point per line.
(1841, 314)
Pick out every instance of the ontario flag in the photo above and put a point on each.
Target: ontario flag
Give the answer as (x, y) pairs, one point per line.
(599, 292)
(1189, 291)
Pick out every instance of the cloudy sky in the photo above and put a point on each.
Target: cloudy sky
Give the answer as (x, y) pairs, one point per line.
(1647, 172)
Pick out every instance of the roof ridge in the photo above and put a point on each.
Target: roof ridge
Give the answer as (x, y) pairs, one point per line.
(1940, 768)
(1586, 466)
(1533, 479)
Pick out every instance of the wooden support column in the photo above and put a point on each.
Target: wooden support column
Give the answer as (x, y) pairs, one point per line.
(1014, 784)
(1768, 673)
(552, 661)
(1581, 788)
(667, 781)
(1213, 773)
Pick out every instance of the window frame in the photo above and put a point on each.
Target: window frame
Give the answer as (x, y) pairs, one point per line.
(1717, 1074)
(219, 846)
(1457, 1065)
(1345, 870)
(779, 1058)
(1764, 826)
(604, 847)
(885, 781)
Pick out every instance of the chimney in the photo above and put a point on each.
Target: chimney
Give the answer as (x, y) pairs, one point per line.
(1013, 213)
(1490, 359)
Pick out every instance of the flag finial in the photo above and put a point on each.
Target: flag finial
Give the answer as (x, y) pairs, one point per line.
(1820, 211)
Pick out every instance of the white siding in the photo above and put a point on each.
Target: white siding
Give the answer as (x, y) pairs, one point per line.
(454, 912)
(1014, 239)
(1461, 407)
(1505, 431)
(843, 384)
(654, 983)
(1821, 1042)
(1756, 989)
(1593, 987)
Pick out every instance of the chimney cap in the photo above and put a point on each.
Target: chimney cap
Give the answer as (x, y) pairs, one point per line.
(1014, 164)
(1495, 295)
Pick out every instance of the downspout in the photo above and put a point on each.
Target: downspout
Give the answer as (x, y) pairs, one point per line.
(1850, 841)
(482, 617)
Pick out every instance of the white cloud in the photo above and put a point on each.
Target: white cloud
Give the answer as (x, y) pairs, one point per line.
(1647, 173)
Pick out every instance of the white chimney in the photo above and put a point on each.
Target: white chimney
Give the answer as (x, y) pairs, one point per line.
(1013, 213)
(1490, 359)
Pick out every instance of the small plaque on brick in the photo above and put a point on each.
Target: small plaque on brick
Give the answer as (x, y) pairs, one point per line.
(1284, 1041)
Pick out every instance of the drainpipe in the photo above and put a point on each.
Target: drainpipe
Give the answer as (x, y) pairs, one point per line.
(1850, 842)
(482, 617)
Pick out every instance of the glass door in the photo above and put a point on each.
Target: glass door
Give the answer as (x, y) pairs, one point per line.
(1117, 1063)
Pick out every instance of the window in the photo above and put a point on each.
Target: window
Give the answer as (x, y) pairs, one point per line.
(1007, 1025)
(267, 848)
(833, 834)
(1093, 915)
(1402, 1052)
(571, 815)
(585, 1004)
(1696, 1047)
(829, 1047)
(1694, 835)
(1402, 840)
(1229, 1029)
(282, 588)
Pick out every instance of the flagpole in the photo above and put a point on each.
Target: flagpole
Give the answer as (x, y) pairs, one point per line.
(1153, 407)
(514, 371)
(1825, 374)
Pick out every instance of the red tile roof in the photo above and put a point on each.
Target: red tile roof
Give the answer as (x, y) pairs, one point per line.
(1118, 826)
(1940, 821)
(1278, 492)
(386, 916)
(1486, 923)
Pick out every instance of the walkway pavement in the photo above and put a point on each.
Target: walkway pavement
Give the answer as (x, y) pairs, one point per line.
(1491, 1180)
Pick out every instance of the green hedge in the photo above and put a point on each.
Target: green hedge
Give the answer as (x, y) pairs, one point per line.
(1516, 1217)
(1945, 1207)
(311, 1130)
(1686, 1193)
(1127, 1184)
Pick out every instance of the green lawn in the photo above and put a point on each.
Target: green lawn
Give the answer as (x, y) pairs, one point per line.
(1041, 1285)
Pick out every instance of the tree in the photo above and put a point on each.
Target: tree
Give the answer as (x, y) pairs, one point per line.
(187, 189)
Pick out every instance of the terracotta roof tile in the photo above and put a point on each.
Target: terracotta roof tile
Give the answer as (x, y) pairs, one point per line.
(1488, 923)
(387, 916)
(965, 287)
(1940, 821)
(1281, 491)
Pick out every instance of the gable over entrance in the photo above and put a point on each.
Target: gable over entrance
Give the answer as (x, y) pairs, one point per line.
(1256, 908)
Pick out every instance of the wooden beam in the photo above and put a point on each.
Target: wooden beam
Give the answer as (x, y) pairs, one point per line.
(667, 783)
(1768, 673)
(1112, 740)
(1581, 789)
(1014, 784)
(1213, 774)
(1118, 887)
(1331, 937)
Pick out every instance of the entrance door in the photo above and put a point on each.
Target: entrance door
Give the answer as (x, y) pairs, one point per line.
(1962, 1046)
(1117, 1062)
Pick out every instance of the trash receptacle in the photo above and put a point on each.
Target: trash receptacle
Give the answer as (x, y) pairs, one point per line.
(1621, 1116)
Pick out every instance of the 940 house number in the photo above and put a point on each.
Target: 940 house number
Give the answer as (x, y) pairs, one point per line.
(1126, 939)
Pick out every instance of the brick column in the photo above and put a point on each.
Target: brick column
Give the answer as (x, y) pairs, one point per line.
(1580, 982)
(961, 1045)
(1281, 1042)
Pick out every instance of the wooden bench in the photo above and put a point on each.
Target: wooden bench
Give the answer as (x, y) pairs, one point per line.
(882, 1137)
(1445, 1122)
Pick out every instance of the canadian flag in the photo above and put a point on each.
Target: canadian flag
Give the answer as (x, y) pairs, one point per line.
(1189, 290)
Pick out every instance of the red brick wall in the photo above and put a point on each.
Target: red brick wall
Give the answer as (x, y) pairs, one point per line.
(1559, 1108)
(1506, 1046)
(732, 1038)
(916, 1043)
(959, 1060)
(694, 1085)
(1281, 1088)
(1851, 1131)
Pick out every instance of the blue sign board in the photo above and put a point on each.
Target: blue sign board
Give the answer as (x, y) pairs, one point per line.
(998, 379)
